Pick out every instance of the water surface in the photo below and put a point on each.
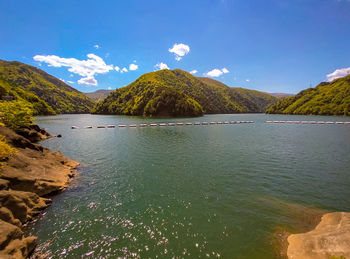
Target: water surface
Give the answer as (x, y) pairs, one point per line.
(190, 191)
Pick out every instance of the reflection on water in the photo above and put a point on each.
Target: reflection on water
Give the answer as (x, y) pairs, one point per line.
(191, 191)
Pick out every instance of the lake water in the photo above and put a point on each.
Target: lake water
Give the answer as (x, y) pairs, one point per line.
(191, 191)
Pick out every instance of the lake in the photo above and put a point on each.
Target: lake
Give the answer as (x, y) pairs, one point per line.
(191, 191)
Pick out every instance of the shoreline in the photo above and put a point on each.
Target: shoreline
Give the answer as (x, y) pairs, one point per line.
(27, 179)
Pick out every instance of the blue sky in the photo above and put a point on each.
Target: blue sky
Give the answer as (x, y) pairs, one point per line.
(271, 45)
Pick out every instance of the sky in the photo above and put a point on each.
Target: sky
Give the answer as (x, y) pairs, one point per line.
(271, 45)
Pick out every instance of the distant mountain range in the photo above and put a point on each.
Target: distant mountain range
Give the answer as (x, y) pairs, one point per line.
(178, 93)
(280, 95)
(47, 94)
(325, 99)
(166, 93)
(99, 94)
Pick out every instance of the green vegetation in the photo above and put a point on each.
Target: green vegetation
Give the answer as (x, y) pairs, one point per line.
(178, 93)
(325, 99)
(47, 94)
(5, 150)
(14, 114)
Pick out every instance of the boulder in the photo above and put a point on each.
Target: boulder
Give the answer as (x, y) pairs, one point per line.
(331, 237)
(22, 205)
(12, 242)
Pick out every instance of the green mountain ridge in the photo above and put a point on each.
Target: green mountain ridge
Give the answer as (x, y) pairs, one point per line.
(178, 93)
(47, 94)
(328, 98)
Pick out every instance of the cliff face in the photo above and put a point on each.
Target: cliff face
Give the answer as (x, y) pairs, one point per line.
(27, 176)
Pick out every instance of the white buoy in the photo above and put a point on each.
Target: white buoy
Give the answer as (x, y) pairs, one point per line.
(101, 126)
(346, 122)
(110, 126)
(171, 124)
(121, 125)
(143, 125)
(329, 122)
(188, 123)
(320, 122)
(226, 122)
(197, 123)
(88, 127)
(75, 127)
(153, 125)
(162, 124)
(212, 122)
(132, 125)
(180, 124)
(339, 122)
(204, 123)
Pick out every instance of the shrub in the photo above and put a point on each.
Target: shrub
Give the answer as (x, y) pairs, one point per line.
(15, 114)
(5, 150)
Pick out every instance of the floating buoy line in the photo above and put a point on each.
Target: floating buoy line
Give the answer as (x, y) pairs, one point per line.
(170, 124)
(173, 124)
(310, 122)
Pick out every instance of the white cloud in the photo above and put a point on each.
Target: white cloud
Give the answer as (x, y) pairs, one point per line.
(109, 88)
(180, 50)
(193, 71)
(96, 46)
(62, 79)
(87, 81)
(247, 80)
(133, 67)
(338, 73)
(216, 72)
(71, 82)
(124, 70)
(161, 66)
(116, 68)
(85, 68)
(71, 75)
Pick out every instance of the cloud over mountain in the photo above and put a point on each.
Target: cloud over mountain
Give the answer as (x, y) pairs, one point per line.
(180, 50)
(85, 68)
(161, 66)
(338, 73)
(216, 72)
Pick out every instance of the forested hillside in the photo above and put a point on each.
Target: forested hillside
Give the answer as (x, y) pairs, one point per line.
(325, 99)
(178, 93)
(47, 94)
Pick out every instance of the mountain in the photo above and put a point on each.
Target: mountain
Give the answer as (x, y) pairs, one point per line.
(178, 93)
(280, 95)
(248, 100)
(325, 99)
(99, 94)
(47, 94)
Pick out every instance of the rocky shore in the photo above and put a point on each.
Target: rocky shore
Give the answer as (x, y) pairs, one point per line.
(330, 239)
(26, 180)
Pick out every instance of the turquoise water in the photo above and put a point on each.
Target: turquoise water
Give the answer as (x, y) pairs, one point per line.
(190, 191)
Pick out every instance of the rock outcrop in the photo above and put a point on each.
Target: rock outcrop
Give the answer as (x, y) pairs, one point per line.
(27, 176)
(331, 237)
